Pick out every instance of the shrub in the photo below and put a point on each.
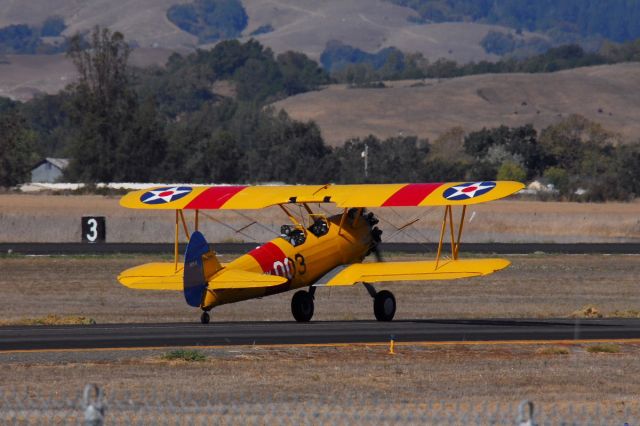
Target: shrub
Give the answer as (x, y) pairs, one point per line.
(607, 348)
(510, 170)
(553, 350)
(188, 355)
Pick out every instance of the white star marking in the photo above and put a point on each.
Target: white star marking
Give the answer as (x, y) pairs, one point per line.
(469, 190)
(165, 194)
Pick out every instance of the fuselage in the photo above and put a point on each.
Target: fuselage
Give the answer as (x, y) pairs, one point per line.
(346, 241)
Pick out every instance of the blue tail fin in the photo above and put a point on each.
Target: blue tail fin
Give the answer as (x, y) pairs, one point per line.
(194, 280)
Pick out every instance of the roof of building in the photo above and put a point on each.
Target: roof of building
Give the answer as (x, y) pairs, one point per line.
(60, 163)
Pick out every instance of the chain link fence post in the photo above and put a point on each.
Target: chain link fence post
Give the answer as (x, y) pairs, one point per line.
(93, 405)
(525, 411)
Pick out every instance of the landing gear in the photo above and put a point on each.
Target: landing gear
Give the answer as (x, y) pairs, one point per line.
(384, 304)
(302, 305)
(204, 318)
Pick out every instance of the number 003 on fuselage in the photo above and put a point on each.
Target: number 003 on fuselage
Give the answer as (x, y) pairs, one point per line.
(314, 250)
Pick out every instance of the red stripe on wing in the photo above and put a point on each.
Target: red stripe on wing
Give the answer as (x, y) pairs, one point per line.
(411, 194)
(214, 197)
(266, 254)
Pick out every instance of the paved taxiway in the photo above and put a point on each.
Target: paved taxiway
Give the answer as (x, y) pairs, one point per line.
(274, 333)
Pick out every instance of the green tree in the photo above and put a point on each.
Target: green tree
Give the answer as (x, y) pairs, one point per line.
(559, 178)
(16, 149)
(300, 74)
(210, 20)
(113, 138)
(396, 159)
(510, 170)
(628, 170)
(562, 143)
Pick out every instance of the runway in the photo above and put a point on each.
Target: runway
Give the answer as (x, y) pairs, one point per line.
(117, 336)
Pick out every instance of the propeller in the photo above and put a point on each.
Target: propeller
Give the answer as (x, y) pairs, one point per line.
(376, 236)
(377, 253)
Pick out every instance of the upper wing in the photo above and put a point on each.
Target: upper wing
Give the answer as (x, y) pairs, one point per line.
(416, 271)
(163, 276)
(369, 195)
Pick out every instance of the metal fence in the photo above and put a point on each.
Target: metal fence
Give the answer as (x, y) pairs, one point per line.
(93, 407)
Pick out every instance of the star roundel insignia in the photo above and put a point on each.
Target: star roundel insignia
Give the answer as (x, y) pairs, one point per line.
(468, 190)
(165, 195)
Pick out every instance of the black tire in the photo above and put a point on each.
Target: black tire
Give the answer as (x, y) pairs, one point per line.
(302, 306)
(384, 306)
(204, 318)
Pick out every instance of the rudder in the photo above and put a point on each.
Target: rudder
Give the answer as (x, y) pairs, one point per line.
(200, 263)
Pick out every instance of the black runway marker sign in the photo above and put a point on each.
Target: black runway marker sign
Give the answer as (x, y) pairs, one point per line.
(94, 229)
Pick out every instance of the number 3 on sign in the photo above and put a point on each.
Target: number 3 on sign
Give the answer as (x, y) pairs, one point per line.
(93, 229)
(92, 235)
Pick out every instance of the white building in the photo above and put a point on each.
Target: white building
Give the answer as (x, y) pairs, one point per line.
(49, 170)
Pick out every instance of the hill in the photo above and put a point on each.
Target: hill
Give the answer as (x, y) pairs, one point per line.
(27, 75)
(302, 25)
(605, 94)
(307, 26)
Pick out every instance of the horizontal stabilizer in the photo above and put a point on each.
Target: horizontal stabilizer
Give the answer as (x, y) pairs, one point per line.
(417, 271)
(163, 276)
(235, 278)
(153, 276)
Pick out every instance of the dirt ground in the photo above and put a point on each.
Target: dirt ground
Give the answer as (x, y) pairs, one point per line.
(56, 218)
(534, 286)
(415, 374)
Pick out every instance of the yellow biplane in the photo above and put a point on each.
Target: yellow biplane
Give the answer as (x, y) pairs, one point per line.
(316, 250)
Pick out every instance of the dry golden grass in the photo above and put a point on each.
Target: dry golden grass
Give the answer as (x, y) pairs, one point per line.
(534, 286)
(587, 312)
(56, 218)
(605, 94)
(625, 314)
(51, 319)
(301, 25)
(473, 374)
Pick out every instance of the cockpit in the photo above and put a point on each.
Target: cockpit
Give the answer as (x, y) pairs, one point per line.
(293, 234)
(296, 234)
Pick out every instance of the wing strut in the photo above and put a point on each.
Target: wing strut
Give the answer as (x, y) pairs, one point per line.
(455, 242)
(175, 244)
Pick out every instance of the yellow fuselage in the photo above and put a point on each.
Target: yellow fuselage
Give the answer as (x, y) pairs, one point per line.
(303, 264)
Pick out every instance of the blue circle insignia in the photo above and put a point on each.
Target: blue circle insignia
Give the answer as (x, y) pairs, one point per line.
(164, 195)
(468, 190)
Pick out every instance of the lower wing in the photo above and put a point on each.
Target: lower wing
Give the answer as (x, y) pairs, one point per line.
(165, 276)
(416, 271)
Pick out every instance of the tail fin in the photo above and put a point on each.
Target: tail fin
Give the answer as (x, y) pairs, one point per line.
(200, 264)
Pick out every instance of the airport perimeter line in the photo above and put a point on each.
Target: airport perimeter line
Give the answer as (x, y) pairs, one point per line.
(234, 248)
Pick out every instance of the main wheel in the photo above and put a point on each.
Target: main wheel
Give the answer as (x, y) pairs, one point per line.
(204, 318)
(302, 306)
(384, 305)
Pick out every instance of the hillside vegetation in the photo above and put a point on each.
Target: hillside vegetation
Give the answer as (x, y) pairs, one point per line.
(210, 20)
(301, 25)
(167, 124)
(614, 20)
